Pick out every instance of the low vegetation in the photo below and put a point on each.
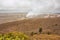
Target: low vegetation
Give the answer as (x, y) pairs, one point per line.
(14, 36)
(40, 30)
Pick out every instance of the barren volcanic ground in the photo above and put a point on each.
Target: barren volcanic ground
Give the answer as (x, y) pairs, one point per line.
(27, 26)
(32, 25)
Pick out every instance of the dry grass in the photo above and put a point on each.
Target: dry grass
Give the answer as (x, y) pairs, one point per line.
(45, 37)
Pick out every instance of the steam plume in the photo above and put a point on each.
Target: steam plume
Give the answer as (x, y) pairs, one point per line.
(44, 6)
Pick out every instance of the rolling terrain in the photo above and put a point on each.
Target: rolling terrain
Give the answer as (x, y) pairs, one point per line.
(9, 17)
(32, 25)
(28, 25)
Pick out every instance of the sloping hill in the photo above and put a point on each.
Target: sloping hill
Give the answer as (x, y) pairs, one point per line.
(32, 25)
(10, 17)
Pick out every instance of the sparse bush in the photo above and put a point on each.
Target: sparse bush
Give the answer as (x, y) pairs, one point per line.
(56, 24)
(32, 33)
(48, 33)
(40, 30)
(35, 33)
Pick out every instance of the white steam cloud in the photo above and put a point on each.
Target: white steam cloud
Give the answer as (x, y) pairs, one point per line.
(44, 6)
(33, 7)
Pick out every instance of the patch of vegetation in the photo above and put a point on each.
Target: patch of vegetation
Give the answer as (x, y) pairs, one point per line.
(14, 36)
(32, 33)
(56, 24)
(48, 33)
(40, 30)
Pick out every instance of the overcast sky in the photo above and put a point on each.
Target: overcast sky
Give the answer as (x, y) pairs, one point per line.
(26, 5)
(14, 5)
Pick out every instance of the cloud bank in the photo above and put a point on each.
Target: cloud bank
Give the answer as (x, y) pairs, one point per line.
(14, 5)
(32, 7)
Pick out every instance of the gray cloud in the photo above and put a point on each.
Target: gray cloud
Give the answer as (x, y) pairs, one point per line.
(33, 7)
(14, 5)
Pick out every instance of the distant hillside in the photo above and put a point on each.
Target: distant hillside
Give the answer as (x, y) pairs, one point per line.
(32, 25)
(9, 17)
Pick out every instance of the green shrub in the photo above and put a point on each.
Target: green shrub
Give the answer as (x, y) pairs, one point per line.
(14, 36)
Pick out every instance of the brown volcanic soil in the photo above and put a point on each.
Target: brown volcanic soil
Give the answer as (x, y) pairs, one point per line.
(32, 25)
